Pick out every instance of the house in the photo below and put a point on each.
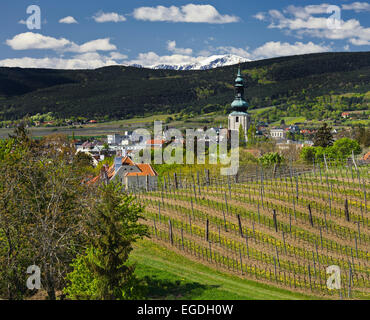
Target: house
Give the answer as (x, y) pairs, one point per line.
(117, 139)
(114, 139)
(130, 174)
(278, 133)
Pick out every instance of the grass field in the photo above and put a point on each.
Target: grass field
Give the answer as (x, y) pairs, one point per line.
(172, 276)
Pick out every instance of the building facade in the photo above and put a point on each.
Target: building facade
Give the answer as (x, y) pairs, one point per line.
(129, 174)
(278, 133)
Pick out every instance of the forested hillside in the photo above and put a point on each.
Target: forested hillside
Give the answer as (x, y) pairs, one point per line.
(294, 84)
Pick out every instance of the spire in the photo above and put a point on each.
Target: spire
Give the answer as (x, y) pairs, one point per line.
(239, 104)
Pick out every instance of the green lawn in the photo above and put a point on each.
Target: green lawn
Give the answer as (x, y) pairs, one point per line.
(172, 276)
(290, 121)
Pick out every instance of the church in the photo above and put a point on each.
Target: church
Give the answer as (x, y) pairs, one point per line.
(239, 115)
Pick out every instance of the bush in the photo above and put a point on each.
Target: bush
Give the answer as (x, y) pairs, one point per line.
(341, 149)
(82, 284)
(308, 154)
(271, 158)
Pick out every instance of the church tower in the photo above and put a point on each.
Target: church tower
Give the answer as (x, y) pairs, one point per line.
(239, 116)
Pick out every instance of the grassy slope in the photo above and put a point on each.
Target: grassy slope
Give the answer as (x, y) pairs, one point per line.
(172, 276)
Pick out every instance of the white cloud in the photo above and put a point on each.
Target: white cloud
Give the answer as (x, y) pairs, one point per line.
(94, 45)
(191, 13)
(357, 6)
(68, 20)
(242, 52)
(102, 17)
(118, 56)
(90, 60)
(31, 40)
(302, 21)
(275, 49)
(359, 42)
(260, 16)
(171, 46)
(150, 59)
(307, 11)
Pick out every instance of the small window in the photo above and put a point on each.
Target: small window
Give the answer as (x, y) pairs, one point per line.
(237, 119)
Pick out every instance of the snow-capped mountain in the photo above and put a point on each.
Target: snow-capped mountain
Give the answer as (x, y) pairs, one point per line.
(203, 64)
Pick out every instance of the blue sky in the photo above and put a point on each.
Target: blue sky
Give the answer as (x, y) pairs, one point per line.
(91, 34)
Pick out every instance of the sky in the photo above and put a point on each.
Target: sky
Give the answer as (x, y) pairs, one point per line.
(92, 34)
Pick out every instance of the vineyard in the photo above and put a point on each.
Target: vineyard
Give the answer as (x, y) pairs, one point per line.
(282, 228)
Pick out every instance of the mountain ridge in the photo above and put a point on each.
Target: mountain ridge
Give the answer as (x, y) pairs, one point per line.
(121, 92)
(212, 62)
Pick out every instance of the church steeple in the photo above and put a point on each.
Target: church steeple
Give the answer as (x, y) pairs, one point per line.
(239, 104)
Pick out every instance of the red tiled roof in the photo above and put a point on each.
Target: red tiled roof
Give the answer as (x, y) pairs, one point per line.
(127, 161)
(145, 170)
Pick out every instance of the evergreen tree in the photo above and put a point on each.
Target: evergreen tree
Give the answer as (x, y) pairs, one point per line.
(113, 229)
(323, 137)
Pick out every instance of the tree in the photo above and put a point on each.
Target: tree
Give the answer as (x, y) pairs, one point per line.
(343, 148)
(362, 135)
(113, 227)
(106, 146)
(15, 254)
(41, 213)
(271, 158)
(84, 160)
(252, 135)
(242, 142)
(308, 154)
(81, 283)
(290, 135)
(323, 137)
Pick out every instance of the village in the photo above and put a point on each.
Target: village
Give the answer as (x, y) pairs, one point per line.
(123, 147)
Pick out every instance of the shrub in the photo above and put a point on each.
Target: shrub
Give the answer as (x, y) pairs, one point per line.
(271, 158)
